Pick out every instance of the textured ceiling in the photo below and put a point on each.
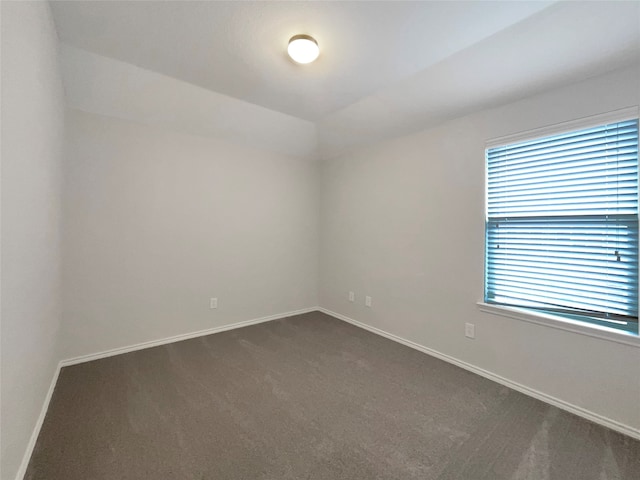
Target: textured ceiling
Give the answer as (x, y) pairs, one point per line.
(385, 69)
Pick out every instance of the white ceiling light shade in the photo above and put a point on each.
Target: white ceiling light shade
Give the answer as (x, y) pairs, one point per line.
(303, 48)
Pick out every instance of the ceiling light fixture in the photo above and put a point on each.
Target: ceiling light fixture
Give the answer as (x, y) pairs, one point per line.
(303, 48)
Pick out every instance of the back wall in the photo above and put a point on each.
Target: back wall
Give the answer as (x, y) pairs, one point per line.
(157, 222)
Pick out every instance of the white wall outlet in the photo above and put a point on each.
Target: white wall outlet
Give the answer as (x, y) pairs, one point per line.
(213, 303)
(352, 297)
(367, 301)
(469, 330)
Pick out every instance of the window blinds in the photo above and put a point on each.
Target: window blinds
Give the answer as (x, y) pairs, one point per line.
(562, 224)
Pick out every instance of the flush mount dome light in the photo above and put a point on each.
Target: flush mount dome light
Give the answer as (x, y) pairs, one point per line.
(303, 49)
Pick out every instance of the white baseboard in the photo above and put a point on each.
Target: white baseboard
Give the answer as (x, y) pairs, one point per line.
(131, 348)
(569, 407)
(180, 337)
(36, 429)
(587, 414)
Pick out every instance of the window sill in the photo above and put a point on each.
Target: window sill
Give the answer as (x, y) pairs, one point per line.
(561, 323)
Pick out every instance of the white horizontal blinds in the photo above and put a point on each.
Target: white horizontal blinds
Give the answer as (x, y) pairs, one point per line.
(562, 223)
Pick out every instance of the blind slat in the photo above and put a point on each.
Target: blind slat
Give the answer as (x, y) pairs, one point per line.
(562, 223)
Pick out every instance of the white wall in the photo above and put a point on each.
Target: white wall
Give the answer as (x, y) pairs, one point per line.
(403, 222)
(157, 222)
(32, 136)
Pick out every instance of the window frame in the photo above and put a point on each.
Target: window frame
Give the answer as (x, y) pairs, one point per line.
(536, 316)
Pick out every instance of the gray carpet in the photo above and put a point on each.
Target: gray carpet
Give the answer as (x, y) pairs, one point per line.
(309, 397)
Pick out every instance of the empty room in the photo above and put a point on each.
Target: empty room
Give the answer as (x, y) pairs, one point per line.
(319, 240)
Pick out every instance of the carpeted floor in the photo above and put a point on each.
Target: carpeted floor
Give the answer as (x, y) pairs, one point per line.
(309, 397)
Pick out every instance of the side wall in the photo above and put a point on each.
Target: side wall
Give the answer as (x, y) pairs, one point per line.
(32, 138)
(403, 222)
(157, 222)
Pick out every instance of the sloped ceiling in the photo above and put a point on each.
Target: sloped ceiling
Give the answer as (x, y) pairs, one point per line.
(98, 84)
(386, 68)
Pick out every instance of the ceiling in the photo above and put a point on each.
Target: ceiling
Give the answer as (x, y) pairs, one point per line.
(238, 48)
(385, 68)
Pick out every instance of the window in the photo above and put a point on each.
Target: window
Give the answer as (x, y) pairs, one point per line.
(562, 225)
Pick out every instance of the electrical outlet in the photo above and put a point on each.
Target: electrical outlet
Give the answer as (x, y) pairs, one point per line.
(352, 297)
(469, 330)
(367, 301)
(213, 303)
